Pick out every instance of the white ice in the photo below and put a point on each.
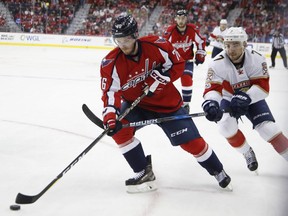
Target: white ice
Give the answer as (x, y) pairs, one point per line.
(43, 129)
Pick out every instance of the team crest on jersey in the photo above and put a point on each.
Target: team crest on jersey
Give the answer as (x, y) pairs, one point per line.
(209, 78)
(209, 75)
(106, 62)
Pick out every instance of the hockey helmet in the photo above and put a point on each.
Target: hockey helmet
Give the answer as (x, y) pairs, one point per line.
(181, 13)
(223, 21)
(236, 34)
(123, 26)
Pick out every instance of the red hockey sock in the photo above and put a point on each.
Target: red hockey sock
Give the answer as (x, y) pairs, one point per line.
(237, 140)
(196, 147)
(280, 143)
(186, 80)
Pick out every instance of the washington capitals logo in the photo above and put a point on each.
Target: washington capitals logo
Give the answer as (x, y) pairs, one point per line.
(106, 62)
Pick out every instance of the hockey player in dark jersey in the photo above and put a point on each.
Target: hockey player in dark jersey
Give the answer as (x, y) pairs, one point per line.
(135, 64)
(183, 37)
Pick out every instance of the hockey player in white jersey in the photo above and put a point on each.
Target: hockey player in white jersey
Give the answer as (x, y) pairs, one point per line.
(238, 81)
(217, 37)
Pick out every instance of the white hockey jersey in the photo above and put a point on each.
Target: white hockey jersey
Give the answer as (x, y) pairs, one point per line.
(217, 36)
(224, 79)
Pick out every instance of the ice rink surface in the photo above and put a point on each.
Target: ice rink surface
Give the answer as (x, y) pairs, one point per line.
(43, 129)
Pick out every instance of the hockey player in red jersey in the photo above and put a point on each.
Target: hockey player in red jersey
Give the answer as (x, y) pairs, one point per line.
(183, 36)
(135, 64)
(238, 81)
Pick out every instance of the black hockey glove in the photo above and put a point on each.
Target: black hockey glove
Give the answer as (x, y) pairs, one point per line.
(212, 110)
(239, 104)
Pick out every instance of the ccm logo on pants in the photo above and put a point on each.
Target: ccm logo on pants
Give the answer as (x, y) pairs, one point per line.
(179, 132)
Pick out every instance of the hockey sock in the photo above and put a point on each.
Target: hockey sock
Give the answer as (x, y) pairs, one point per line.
(280, 144)
(238, 141)
(204, 155)
(210, 162)
(134, 155)
(187, 82)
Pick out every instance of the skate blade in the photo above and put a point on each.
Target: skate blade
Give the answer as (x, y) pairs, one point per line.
(142, 188)
(228, 188)
(256, 172)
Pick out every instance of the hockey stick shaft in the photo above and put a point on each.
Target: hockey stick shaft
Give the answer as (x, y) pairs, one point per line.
(99, 122)
(28, 199)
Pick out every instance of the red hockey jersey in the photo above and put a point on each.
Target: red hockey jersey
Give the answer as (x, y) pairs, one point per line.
(183, 42)
(124, 78)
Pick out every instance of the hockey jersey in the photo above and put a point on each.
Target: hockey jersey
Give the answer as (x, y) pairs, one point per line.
(224, 78)
(183, 42)
(123, 78)
(217, 36)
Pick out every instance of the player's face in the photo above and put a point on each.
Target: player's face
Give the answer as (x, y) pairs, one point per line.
(223, 27)
(234, 49)
(181, 21)
(126, 44)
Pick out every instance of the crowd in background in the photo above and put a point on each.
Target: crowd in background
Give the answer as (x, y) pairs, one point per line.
(205, 14)
(101, 14)
(259, 17)
(50, 17)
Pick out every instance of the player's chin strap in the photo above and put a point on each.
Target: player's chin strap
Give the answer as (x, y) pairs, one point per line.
(99, 122)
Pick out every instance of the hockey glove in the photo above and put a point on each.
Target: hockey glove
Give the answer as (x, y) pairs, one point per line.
(239, 104)
(110, 121)
(200, 56)
(156, 82)
(212, 110)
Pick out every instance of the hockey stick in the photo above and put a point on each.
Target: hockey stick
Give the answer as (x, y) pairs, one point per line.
(27, 199)
(99, 122)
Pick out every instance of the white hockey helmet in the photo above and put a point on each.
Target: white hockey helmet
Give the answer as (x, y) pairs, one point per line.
(223, 21)
(236, 34)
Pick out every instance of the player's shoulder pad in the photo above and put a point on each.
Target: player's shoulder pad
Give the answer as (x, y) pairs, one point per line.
(192, 26)
(169, 30)
(249, 51)
(219, 57)
(153, 39)
(110, 57)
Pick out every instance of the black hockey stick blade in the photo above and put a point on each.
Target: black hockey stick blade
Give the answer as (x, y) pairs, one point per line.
(27, 199)
(92, 116)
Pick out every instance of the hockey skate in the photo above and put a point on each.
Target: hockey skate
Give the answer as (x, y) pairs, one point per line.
(144, 181)
(223, 180)
(251, 160)
(187, 108)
